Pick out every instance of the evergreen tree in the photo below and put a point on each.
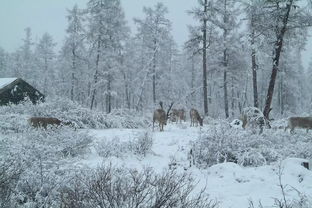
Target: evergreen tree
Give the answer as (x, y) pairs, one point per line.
(44, 75)
(107, 33)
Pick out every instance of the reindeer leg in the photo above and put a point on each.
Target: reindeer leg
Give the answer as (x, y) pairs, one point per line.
(292, 130)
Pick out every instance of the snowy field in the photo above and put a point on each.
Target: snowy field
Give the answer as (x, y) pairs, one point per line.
(232, 185)
(234, 166)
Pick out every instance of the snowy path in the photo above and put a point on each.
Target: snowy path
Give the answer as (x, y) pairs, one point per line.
(229, 183)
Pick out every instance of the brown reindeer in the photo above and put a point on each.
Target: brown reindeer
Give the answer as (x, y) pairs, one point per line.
(44, 122)
(182, 115)
(195, 118)
(174, 115)
(161, 116)
(300, 122)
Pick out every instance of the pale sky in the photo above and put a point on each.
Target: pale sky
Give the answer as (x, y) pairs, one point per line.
(50, 16)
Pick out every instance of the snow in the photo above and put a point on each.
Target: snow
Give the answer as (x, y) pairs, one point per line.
(229, 183)
(6, 81)
(236, 123)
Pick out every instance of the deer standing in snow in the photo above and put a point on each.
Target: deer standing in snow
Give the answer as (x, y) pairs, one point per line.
(174, 115)
(161, 116)
(195, 118)
(300, 122)
(181, 115)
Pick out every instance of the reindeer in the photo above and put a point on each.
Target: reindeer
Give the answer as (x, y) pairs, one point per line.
(177, 115)
(300, 122)
(44, 122)
(253, 118)
(174, 115)
(182, 115)
(161, 116)
(195, 118)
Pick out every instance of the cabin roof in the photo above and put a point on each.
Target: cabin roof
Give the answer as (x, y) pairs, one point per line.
(6, 81)
(15, 90)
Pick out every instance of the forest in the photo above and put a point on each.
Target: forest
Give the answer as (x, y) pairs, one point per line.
(239, 53)
(133, 119)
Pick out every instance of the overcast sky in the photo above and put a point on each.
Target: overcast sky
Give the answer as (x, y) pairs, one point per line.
(50, 16)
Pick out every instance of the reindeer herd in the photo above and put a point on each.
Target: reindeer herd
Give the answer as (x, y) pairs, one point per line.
(251, 117)
(176, 115)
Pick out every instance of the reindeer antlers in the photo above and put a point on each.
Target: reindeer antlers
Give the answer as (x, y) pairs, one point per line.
(161, 105)
(169, 108)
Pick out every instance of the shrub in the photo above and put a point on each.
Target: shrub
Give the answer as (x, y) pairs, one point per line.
(112, 148)
(223, 144)
(66, 110)
(142, 144)
(115, 187)
(10, 171)
(139, 145)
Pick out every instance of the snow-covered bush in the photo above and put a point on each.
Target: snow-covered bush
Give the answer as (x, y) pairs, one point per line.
(37, 188)
(66, 110)
(10, 170)
(236, 123)
(220, 144)
(51, 146)
(34, 164)
(117, 187)
(112, 148)
(104, 187)
(61, 142)
(251, 157)
(13, 123)
(141, 144)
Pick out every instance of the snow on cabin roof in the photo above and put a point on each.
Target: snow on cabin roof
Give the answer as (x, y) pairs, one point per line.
(6, 81)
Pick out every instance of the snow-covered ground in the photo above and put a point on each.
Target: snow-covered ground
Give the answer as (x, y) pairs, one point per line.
(232, 185)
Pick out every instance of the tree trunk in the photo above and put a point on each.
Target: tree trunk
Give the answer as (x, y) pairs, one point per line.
(73, 75)
(127, 92)
(96, 75)
(239, 103)
(277, 52)
(282, 95)
(233, 97)
(154, 72)
(254, 66)
(46, 76)
(226, 101)
(193, 81)
(225, 62)
(108, 95)
(205, 60)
